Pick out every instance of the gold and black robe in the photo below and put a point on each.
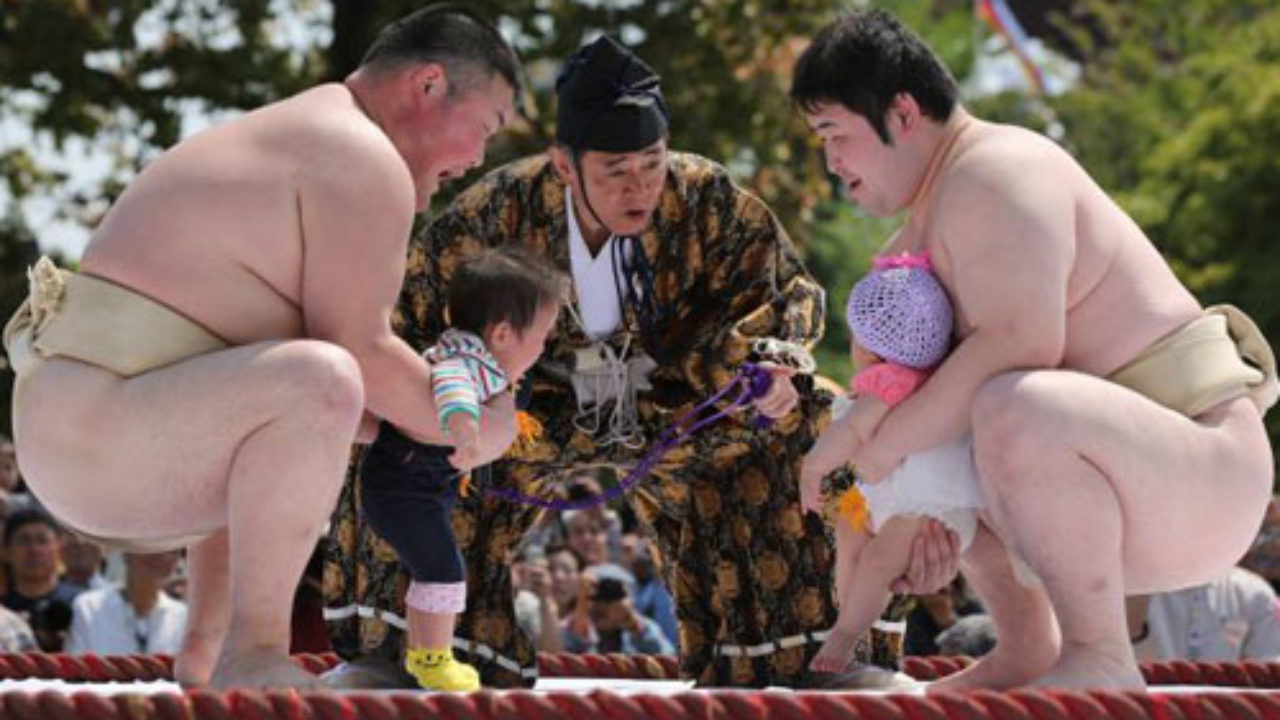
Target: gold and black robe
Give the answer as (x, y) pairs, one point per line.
(745, 565)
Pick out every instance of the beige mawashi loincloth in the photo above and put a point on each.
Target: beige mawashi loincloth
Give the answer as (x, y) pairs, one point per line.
(1216, 357)
(94, 321)
(98, 322)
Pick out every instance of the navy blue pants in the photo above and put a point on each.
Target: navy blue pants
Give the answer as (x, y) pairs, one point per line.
(408, 490)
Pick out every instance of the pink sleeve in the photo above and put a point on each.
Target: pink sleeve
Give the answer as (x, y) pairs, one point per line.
(889, 382)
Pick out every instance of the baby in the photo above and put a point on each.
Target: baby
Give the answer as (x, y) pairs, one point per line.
(901, 321)
(502, 303)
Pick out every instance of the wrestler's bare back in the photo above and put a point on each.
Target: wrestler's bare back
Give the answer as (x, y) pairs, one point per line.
(1120, 296)
(213, 227)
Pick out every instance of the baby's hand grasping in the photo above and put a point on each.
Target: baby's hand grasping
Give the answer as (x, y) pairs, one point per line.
(463, 432)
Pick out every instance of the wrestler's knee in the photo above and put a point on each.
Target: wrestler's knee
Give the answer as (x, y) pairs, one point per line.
(325, 379)
(1008, 417)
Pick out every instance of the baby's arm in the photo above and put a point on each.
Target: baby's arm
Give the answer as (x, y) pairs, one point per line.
(459, 408)
(833, 448)
(877, 389)
(863, 417)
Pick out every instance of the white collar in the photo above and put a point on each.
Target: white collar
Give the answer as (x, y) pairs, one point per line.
(578, 249)
(599, 307)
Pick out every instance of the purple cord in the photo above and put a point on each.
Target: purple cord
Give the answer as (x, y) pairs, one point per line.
(754, 382)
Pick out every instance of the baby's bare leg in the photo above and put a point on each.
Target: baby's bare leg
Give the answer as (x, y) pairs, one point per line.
(874, 564)
(838, 647)
(432, 630)
(849, 542)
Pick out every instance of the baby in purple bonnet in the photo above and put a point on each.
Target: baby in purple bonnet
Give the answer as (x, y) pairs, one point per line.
(901, 321)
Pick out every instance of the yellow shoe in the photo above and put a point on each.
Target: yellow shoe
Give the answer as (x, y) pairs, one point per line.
(439, 670)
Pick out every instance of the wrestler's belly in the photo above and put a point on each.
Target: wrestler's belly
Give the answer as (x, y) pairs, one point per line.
(1103, 335)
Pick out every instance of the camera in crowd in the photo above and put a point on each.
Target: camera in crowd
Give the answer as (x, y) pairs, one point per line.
(50, 620)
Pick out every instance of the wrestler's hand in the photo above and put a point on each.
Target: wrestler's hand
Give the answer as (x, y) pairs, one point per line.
(782, 395)
(935, 560)
(463, 433)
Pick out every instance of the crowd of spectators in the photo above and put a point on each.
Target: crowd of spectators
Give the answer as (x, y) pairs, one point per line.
(586, 580)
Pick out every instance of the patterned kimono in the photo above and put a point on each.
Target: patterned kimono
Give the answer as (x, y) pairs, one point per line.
(751, 573)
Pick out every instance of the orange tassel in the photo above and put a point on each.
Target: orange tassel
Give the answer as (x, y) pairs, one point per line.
(852, 506)
(528, 431)
(464, 485)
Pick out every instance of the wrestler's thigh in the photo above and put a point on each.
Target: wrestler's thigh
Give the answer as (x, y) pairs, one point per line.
(1192, 492)
(153, 452)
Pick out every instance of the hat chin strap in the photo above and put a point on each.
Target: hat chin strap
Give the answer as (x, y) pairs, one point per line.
(576, 155)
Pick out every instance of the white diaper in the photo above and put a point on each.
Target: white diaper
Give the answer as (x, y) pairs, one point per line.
(941, 482)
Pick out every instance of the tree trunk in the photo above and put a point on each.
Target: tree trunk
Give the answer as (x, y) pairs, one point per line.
(352, 32)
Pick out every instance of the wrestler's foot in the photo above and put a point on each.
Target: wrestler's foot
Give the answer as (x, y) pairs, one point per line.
(836, 651)
(261, 669)
(1017, 659)
(1094, 668)
(194, 664)
(997, 670)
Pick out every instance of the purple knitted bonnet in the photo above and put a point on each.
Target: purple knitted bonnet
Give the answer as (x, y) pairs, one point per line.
(900, 312)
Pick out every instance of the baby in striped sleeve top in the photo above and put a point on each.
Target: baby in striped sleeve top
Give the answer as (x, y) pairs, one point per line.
(502, 303)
